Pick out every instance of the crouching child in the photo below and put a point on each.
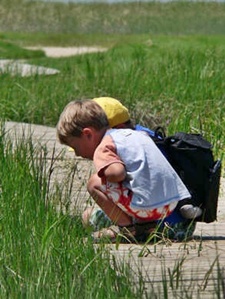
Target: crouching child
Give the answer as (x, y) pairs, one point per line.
(134, 185)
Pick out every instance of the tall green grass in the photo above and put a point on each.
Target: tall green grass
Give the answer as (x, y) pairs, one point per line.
(12, 51)
(176, 17)
(43, 253)
(176, 80)
(165, 62)
(46, 254)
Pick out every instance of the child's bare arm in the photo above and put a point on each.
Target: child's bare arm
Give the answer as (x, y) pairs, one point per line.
(115, 172)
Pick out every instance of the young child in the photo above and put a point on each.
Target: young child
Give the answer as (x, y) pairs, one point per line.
(134, 184)
(119, 117)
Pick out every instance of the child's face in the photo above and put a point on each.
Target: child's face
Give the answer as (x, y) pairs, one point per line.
(86, 144)
(81, 147)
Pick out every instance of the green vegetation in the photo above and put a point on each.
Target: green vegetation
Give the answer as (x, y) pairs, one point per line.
(164, 61)
(11, 51)
(177, 17)
(179, 80)
(38, 259)
(45, 253)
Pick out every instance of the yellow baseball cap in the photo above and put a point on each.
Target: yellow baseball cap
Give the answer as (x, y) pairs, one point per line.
(116, 113)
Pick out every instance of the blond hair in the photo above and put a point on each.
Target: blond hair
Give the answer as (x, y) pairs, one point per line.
(78, 115)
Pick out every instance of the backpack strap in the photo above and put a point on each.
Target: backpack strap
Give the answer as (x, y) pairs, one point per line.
(160, 132)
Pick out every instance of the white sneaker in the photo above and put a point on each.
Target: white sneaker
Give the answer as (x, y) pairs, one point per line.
(190, 212)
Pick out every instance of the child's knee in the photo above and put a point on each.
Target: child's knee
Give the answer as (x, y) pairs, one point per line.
(93, 184)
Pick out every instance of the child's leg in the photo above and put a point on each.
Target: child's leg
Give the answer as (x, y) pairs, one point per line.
(117, 216)
(130, 226)
(86, 216)
(95, 218)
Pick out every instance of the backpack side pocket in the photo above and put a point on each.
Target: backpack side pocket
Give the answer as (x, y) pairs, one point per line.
(211, 202)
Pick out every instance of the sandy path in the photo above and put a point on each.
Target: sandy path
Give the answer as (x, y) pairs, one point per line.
(67, 51)
(20, 67)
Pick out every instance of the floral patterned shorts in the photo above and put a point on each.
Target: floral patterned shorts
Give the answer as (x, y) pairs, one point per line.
(122, 196)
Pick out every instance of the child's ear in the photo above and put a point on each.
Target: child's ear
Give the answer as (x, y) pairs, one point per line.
(87, 132)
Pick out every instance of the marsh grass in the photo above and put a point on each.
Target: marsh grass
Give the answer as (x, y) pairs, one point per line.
(43, 252)
(177, 17)
(166, 63)
(178, 82)
(12, 51)
(167, 58)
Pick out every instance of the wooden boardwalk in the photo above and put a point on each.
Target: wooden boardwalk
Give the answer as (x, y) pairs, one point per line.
(195, 269)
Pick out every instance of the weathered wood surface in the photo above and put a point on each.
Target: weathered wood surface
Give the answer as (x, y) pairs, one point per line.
(196, 267)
